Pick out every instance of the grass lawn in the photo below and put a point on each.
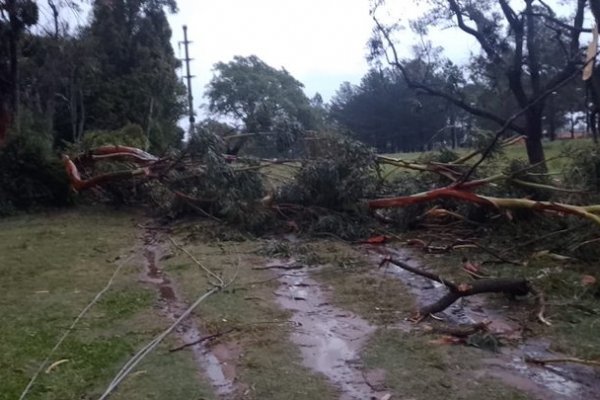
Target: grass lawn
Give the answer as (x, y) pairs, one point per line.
(52, 267)
(552, 150)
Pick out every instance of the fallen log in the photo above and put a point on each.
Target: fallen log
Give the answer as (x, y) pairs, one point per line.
(511, 286)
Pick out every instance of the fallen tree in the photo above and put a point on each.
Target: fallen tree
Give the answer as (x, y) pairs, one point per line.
(357, 174)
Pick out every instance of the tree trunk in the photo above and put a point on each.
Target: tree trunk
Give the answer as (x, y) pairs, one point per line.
(13, 45)
(594, 124)
(551, 119)
(5, 121)
(453, 134)
(535, 150)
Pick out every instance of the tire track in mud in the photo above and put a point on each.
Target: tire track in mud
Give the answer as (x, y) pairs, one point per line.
(563, 382)
(330, 339)
(214, 363)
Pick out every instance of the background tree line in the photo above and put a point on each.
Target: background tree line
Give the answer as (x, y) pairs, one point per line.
(116, 70)
(114, 80)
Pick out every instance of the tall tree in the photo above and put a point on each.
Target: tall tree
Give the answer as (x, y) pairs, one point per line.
(134, 80)
(261, 97)
(512, 43)
(15, 16)
(386, 114)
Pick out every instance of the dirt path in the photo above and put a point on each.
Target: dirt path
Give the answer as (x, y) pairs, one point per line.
(330, 339)
(211, 363)
(544, 383)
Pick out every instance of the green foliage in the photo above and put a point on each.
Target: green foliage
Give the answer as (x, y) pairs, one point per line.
(133, 77)
(30, 176)
(130, 135)
(218, 188)
(342, 175)
(385, 113)
(584, 169)
(263, 98)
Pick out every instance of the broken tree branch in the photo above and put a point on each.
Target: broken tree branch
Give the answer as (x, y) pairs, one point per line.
(591, 363)
(460, 192)
(515, 287)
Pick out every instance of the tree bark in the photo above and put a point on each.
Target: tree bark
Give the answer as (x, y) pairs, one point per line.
(13, 46)
(5, 121)
(535, 150)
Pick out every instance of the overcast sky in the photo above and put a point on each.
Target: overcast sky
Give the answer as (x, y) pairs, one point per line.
(322, 43)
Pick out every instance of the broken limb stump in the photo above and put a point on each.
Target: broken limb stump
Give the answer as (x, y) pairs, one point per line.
(512, 286)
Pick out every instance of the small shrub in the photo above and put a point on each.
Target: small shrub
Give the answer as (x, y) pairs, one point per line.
(338, 180)
(30, 176)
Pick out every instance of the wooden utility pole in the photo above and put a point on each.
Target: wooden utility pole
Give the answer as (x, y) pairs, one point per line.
(189, 77)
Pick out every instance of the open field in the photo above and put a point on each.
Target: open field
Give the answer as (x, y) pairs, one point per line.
(553, 151)
(289, 303)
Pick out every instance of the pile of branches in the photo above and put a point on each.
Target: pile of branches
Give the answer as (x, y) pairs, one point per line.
(340, 184)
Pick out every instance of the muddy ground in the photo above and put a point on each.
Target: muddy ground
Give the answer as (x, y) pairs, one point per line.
(342, 346)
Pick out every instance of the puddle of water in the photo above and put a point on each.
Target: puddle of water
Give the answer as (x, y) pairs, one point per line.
(329, 338)
(542, 382)
(216, 365)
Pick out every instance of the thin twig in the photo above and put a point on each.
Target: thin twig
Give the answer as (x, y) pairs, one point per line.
(147, 349)
(202, 340)
(195, 260)
(279, 266)
(72, 327)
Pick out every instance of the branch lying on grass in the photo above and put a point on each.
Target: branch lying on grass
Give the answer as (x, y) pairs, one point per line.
(71, 328)
(220, 284)
(279, 266)
(591, 363)
(516, 287)
(202, 340)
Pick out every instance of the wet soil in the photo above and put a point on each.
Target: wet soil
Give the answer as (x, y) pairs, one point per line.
(508, 365)
(330, 339)
(216, 363)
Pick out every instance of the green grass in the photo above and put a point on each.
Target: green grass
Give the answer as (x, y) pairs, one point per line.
(52, 266)
(552, 150)
(572, 308)
(421, 370)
